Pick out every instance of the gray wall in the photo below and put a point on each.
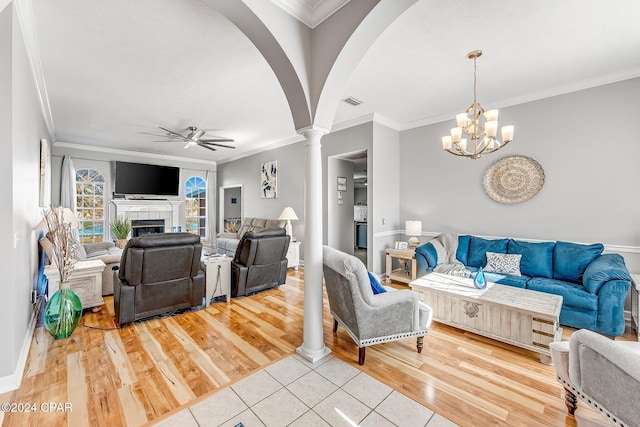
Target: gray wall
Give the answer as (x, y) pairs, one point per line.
(21, 126)
(585, 143)
(290, 180)
(360, 196)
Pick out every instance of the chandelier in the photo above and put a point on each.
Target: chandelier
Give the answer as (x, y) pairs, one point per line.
(480, 131)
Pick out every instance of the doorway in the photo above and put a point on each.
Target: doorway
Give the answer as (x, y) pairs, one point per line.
(231, 208)
(347, 207)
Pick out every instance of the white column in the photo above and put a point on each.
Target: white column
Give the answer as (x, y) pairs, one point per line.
(313, 347)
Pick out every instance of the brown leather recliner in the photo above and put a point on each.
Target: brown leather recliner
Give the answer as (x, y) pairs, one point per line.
(158, 273)
(260, 262)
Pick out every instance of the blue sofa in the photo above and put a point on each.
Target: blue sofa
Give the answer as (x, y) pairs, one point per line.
(593, 285)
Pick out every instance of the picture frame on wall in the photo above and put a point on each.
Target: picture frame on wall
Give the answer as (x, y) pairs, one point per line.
(45, 174)
(269, 180)
(342, 183)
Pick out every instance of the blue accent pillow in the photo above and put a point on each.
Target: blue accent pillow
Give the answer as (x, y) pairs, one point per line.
(537, 258)
(430, 254)
(571, 259)
(479, 247)
(462, 254)
(376, 287)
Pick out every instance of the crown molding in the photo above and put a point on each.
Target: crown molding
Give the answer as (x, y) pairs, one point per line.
(311, 16)
(27, 25)
(372, 117)
(618, 76)
(107, 150)
(273, 146)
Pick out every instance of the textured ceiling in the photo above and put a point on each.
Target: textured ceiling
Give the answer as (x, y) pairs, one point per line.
(115, 69)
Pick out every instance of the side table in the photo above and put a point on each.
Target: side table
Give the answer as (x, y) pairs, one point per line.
(635, 304)
(85, 280)
(217, 278)
(399, 274)
(293, 255)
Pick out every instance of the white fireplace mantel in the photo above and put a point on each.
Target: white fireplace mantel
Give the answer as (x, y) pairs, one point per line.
(133, 209)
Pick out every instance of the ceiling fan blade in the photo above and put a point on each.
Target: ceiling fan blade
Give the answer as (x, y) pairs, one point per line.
(217, 140)
(172, 142)
(177, 135)
(161, 136)
(216, 144)
(208, 148)
(189, 144)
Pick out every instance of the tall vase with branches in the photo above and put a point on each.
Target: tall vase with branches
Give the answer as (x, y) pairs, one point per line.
(64, 309)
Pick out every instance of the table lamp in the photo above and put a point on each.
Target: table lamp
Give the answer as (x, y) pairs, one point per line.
(413, 229)
(289, 214)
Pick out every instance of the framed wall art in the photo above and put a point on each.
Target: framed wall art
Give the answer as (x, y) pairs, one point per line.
(342, 183)
(269, 180)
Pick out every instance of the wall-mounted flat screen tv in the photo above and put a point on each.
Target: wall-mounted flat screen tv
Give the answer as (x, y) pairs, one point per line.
(143, 179)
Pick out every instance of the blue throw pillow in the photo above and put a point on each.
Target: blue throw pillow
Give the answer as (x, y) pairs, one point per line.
(479, 247)
(571, 259)
(376, 287)
(462, 254)
(537, 258)
(429, 253)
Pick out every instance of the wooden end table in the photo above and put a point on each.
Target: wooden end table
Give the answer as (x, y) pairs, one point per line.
(399, 274)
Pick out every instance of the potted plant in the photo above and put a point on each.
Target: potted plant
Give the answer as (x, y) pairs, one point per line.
(120, 229)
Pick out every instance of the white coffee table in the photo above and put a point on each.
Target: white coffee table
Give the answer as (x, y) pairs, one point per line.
(520, 317)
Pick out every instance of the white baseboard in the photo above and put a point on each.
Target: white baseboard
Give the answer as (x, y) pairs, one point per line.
(12, 382)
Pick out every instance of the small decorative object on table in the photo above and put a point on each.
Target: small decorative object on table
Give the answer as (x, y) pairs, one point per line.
(479, 282)
(62, 312)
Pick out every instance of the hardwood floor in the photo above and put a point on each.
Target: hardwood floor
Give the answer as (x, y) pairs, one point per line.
(147, 370)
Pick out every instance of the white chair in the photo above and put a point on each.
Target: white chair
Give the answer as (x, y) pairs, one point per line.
(371, 319)
(602, 372)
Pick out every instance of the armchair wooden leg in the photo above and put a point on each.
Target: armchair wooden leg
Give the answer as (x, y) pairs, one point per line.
(420, 344)
(571, 401)
(361, 355)
(335, 325)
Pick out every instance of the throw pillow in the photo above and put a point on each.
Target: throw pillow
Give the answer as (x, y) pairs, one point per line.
(537, 257)
(571, 259)
(479, 247)
(376, 287)
(503, 263)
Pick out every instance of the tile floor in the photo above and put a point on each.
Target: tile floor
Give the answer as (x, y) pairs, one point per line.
(295, 392)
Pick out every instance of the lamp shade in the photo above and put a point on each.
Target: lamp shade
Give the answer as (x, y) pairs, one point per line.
(288, 213)
(413, 228)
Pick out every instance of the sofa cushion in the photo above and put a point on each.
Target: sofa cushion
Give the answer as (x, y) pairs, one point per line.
(537, 258)
(573, 294)
(571, 259)
(462, 253)
(479, 247)
(503, 263)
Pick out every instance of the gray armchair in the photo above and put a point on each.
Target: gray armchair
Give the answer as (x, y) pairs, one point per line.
(370, 319)
(159, 273)
(602, 372)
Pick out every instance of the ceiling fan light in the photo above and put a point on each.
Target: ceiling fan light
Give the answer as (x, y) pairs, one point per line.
(197, 135)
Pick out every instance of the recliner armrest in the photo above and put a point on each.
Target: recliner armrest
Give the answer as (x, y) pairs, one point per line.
(226, 235)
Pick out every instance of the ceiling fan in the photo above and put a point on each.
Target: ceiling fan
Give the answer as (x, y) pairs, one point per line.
(193, 138)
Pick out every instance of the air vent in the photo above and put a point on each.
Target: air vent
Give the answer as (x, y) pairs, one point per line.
(353, 101)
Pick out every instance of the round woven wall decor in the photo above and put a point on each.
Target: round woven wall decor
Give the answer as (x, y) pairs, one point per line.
(513, 179)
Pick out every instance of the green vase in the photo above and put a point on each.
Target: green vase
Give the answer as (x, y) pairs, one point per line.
(62, 312)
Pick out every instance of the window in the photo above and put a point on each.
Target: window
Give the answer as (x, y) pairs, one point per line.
(90, 205)
(196, 200)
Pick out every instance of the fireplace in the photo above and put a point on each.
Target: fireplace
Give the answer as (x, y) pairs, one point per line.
(146, 226)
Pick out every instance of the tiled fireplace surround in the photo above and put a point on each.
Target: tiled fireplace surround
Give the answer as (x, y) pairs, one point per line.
(137, 209)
